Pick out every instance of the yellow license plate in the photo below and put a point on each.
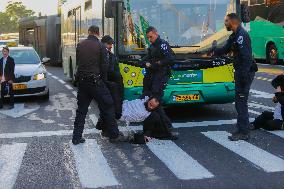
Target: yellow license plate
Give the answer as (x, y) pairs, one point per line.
(181, 98)
(20, 86)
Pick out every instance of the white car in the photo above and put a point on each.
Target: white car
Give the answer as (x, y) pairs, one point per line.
(30, 73)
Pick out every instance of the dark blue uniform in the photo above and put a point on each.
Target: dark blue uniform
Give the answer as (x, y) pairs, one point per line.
(245, 68)
(115, 85)
(157, 76)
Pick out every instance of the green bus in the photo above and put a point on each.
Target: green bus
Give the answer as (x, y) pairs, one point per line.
(190, 27)
(266, 29)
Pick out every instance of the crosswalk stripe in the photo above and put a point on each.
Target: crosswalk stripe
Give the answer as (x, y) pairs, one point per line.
(261, 94)
(278, 133)
(92, 167)
(11, 157)
(260, 106)
(178, 161)
(268, 162)
(254, 112)
(69, 87)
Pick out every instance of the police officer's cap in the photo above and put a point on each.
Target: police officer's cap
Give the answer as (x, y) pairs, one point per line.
(107, 39)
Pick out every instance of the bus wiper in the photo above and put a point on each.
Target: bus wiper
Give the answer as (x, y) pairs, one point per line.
(181, 46)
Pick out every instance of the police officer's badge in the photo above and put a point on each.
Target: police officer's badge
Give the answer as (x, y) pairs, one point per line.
(240, 40)
(164, 47)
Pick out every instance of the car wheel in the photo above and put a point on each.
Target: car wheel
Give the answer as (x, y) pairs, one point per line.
(272, 55)
(46, 96)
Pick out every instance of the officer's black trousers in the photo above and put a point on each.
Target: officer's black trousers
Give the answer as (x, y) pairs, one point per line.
(241, 100)
(154, 83)
(4, 91)
(87, 91)
(117, 92)
(267, 121)
(157, 125)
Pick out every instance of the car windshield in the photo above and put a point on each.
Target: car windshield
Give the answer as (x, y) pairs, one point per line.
(24, 56)
(183, 23)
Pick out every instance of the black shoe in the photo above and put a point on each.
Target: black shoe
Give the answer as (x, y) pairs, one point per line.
(78, 141)
(239, 136)
(104, 134)
(119, 138)
(174, 135)
(252, 127)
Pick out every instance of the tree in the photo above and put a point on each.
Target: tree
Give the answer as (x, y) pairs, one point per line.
(9, 19)
(4, 23)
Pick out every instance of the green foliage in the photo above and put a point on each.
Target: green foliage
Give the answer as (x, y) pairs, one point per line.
(13, 12)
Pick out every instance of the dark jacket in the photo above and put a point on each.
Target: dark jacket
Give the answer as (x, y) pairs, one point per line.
(159, 51)
(240, 44)
(92, 58)
(114, 74)
(9, 69)
(279, 81)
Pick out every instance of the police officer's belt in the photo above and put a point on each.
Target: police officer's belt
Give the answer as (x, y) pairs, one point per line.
(90, 78)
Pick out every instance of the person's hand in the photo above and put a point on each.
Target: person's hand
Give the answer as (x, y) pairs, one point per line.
(278, 89)
(158, 62)
(148, 64)
(147, 139)
(274, 99)
(10, 82)
(210, 53)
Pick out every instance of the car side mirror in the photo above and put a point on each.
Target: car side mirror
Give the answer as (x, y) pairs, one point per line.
(45, 60)
(110, 8)
(245, 13)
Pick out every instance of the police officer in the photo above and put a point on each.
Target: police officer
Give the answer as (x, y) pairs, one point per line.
(114, 81)
(158, 63)
(92, 60)
(245, 67)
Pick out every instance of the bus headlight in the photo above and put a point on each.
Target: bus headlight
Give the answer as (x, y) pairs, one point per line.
(126, 70)
(133, 74)
(39, 76)
(130, 82)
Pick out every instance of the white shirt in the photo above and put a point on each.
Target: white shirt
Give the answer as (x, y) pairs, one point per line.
(277, 112)
(134, 111)
(4, 64)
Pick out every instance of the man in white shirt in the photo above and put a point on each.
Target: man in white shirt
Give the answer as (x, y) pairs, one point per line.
(147, 110)
(273, 120)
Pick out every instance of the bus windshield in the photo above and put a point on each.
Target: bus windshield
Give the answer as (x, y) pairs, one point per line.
(191, 24)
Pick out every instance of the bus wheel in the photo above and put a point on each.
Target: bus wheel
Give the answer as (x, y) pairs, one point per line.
(272, 54)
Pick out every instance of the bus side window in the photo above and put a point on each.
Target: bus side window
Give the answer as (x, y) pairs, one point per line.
(245, 14)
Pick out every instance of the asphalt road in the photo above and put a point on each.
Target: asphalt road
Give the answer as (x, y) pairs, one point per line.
(35, 148)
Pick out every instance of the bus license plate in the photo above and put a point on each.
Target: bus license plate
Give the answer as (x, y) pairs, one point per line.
(20, 86)
(182, 98)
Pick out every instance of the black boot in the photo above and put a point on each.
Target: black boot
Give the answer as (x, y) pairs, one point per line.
(239, 136)
(78, 141)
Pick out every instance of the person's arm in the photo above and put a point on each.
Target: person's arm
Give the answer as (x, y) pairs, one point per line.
(279, 95)
(145, 61)
(243, 44)
(168, 55)
(104, 62)
(12, 71)
(225, 49)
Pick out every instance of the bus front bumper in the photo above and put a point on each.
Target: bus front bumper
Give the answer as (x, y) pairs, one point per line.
(211, 93)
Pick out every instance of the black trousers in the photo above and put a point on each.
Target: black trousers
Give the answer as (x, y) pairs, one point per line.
(5, 92)
(241, 101)
(155, 82)
(267, 121)
(117, 92)
(157, 125)
(87, 91)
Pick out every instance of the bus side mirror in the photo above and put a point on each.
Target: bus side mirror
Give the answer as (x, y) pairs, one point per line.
(110, 8)
(245, 14)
